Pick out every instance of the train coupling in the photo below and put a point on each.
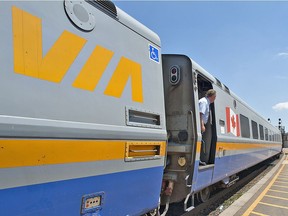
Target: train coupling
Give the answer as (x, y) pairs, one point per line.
(167, 190)
(168, 184)
(168, 187)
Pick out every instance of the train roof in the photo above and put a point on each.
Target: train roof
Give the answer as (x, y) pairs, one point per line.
(137, 27)
(119, 15)
(214, 80)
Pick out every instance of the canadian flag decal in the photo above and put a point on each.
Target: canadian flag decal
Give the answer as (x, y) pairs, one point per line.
(232, 122)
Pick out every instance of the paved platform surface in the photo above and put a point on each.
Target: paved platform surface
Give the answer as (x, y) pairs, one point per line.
(268, 197)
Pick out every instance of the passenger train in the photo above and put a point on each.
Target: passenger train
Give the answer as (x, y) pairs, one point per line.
(95, 121)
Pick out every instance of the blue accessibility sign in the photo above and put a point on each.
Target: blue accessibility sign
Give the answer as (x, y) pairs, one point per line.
(153, 53)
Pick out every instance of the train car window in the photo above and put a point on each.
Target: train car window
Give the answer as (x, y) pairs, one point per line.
(245, 127)
(203, 85)
(254, 129)
(266, 134)
(261, 129)
(270, 136)
(218, 82)
(235, 104)
(226, 89)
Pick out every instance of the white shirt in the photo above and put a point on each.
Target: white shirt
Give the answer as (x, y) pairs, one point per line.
(204, 108)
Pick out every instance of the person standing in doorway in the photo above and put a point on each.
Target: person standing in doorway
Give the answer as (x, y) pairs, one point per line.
(204, 109)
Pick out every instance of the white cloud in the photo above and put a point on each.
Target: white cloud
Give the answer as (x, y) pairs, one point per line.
(280, 106)
(283, 54)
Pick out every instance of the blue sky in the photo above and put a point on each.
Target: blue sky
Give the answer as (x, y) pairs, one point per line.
(244, 44)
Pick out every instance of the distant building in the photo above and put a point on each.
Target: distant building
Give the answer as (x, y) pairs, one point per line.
(285, 140)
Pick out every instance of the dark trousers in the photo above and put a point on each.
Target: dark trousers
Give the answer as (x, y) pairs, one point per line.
(206, 143)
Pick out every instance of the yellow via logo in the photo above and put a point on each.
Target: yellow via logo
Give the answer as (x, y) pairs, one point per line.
(29, 60)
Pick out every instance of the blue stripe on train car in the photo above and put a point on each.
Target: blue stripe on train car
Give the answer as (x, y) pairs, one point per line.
(229, 165)
(126, 193)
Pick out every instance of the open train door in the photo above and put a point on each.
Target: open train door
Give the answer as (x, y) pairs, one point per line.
(209, 138)
(206, 145)
(180, 89)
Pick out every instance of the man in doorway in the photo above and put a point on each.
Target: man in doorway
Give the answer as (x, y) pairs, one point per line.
(204, 109)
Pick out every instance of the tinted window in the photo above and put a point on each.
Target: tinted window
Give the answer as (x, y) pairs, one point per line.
(254, 129)
(266, 134)
(245, 127)
(270, 136)
(261, 132)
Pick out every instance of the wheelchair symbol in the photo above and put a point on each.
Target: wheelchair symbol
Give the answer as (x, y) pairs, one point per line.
(154, 53)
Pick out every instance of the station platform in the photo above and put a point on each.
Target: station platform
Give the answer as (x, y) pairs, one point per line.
(268, 197)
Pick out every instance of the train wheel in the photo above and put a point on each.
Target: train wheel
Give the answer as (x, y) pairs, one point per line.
(204, 194)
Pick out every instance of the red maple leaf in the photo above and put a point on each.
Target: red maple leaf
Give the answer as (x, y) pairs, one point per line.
(233, 122)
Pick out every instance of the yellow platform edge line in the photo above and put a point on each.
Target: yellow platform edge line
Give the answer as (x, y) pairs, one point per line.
(254, 204)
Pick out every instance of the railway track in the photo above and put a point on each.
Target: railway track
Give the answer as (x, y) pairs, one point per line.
(219, 196)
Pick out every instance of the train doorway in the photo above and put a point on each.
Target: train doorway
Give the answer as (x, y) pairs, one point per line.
(209, 137)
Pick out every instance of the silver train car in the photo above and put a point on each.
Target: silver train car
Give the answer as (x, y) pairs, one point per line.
(236, 136)
(82, 119)
(95, 121)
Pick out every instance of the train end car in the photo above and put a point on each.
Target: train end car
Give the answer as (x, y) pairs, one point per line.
(236, 137)
(82, 119)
